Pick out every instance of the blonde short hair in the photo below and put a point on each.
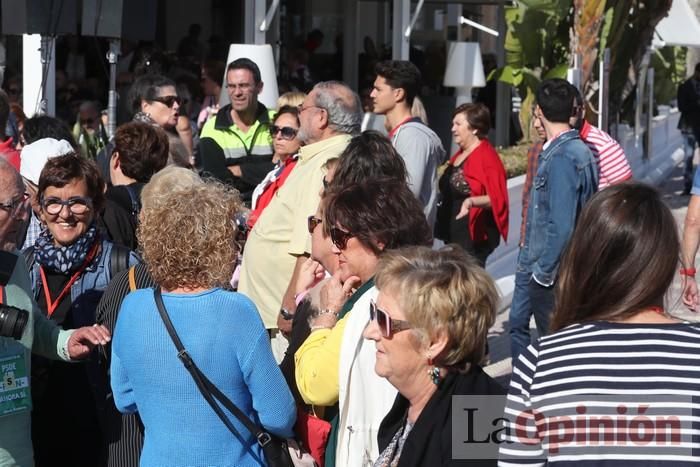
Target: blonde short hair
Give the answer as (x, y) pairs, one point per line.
(187, 236)
(163, 182)
(443, 290)
(294, 99)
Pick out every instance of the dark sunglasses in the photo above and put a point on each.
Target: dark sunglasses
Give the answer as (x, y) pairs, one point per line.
(312, 222)
(387, 325)
(340, 238)
(87, 121)
(287, 132)
(167, 100)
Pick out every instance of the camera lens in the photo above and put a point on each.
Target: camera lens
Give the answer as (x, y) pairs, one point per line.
(12, 321)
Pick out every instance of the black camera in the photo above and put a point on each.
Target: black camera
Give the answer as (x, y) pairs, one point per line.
(12, 321)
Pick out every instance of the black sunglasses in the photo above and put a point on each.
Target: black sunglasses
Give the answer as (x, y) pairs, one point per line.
(387, 325)
(287, 132)
(167, 100)
(312, 222)
(340, 238)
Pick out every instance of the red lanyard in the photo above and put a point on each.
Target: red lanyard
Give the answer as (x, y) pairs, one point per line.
(52, 305)
(2, 295)
(396, 128)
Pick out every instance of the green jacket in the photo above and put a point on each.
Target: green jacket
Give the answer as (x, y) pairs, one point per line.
(223, 144)
(40, 336)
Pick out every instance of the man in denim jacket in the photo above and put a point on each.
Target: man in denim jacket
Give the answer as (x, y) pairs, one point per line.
(567, 176)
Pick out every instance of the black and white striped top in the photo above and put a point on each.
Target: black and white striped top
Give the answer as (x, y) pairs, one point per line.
(605, 393)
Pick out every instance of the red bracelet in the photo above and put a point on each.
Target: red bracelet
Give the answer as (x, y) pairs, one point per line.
(690, 272)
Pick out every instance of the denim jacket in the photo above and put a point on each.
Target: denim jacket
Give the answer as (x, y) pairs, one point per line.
(86, 292)
(567, 176)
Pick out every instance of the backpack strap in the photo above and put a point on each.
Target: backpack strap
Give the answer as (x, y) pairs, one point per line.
(119, 259)
(134, 191)
(132, 278)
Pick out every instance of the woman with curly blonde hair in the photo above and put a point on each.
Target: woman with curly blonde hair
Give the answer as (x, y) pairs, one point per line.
(187, 239)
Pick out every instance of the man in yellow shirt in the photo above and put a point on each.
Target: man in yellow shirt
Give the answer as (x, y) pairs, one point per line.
(280, 243)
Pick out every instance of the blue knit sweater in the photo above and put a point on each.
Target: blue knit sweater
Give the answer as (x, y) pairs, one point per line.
(225, 336)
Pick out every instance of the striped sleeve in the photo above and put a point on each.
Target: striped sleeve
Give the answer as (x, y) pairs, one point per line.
(522, 444)
(612, 162)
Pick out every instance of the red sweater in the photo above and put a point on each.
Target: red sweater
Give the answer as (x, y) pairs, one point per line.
(484, 171)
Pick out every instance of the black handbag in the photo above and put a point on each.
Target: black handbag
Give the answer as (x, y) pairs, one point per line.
(275, 449)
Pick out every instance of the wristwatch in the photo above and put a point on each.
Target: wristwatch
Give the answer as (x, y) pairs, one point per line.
(286, 315)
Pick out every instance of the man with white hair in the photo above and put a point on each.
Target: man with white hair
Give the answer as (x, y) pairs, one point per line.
(38, 335)
(280, 242)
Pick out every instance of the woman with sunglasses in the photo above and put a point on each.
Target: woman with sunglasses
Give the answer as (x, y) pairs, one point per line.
(429, 325)
(363, 221)
(152, 99)
(285, 144)
(70, 266)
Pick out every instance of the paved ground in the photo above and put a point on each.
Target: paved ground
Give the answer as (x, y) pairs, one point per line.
(499, 344)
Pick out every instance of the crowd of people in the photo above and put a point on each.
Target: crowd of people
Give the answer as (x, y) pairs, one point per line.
(202, 288)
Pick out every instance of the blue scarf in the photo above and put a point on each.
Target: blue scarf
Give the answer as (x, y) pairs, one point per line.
(64, 259)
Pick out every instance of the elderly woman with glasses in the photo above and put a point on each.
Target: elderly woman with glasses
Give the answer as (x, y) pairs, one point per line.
(429, 325)
(70, 265)
(363, 221)
(285, 143)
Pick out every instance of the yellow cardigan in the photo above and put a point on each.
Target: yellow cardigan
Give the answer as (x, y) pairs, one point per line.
(317, 362)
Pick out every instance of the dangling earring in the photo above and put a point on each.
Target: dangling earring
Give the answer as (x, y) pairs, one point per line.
(433, 372)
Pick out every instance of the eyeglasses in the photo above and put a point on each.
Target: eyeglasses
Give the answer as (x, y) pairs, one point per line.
(387, 325)
(88, 121)
(243, 86)
(287, 132)
(340, 238)
(75, 204)
(167, 100)
(14, 203)
(301, 107)
(312, 222)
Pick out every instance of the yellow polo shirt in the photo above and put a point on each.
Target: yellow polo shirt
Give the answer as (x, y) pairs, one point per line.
(280, 235)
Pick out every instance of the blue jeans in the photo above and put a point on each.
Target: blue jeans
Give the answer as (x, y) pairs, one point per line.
(689, 150)
(529, 298)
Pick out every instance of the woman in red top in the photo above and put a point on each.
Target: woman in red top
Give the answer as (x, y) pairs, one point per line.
(473, 211)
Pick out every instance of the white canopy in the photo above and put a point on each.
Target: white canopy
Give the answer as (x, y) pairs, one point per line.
(680, 27)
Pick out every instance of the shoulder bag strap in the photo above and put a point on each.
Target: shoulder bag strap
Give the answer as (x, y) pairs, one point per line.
(206, 387)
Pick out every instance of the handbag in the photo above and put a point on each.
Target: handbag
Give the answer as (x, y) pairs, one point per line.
(278, 452)
(313, 432)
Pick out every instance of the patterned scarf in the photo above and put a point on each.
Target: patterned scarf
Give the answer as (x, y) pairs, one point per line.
(64, 259)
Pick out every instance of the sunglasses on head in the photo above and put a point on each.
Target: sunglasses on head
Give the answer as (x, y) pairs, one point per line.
(312, 222)
(387, 325)
(286, 132)
(167, 100)
(340, 238)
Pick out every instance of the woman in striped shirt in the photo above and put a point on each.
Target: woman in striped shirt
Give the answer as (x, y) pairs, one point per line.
(617, 381)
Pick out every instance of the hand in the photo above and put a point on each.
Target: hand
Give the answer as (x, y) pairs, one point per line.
(690, 293)
(235, 170)
(83, 340)
(334, 294)
(466, 206)
(310, 274)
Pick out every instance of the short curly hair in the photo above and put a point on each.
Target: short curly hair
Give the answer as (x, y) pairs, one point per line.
(62, 170)
(187, 239)
(444, 290)
(142, 148)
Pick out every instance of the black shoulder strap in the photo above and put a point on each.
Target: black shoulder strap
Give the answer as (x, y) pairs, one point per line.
(28, 254)
(205, 386)
(134, 191)
(118, 259)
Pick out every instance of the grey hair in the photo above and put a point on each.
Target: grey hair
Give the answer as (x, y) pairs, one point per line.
(342, 104)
